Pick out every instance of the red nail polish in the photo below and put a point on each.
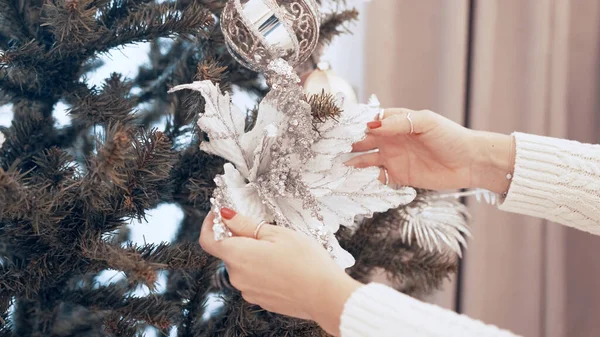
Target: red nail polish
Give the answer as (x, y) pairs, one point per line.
(374, 125)
(227, 213)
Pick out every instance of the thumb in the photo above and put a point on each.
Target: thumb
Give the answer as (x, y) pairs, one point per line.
(396, 122)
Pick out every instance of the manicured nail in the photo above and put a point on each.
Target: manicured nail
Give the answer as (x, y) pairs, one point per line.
(227, 213)
(374, 125)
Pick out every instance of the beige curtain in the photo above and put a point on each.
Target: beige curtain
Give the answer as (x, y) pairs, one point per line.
(503, 65)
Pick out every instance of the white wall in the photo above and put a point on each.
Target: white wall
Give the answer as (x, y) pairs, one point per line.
(346, 54)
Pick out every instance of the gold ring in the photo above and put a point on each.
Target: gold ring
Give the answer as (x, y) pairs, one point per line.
(412, 127)
(258, 227)
(380, 114)
(387, 176)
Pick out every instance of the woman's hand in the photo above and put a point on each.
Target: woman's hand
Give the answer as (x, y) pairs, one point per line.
(281, 270)
(438, 154)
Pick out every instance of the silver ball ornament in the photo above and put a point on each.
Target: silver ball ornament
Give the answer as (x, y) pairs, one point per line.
(259, 31)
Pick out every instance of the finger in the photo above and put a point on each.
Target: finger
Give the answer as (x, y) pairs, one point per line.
(367, 144)
(241, 225)
(206, 231)
(366, 160)
(231, 250)
(393, 111)
(208, 242)
(397, 122)
(238, 224)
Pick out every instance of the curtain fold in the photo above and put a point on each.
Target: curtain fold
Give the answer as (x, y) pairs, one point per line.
(533, 67)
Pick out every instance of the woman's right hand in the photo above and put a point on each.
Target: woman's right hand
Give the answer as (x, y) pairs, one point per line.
(439, 154)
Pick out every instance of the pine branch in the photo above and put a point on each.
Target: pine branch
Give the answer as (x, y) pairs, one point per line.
(30, 133)
(105, 168)
(152, 309)
(128, 176)
(28, 203)
(148, 173)
(238, 318)
(25, 317)
(112, 11)
(117, 326)
(72, 22)
(17, 281)
(323, 107)
(178, 256)
(10, 24)
(43, 68)
(69, 320)
(333, 25)
(19, 18)
(193, 177)
(377, 246)
(158, 87)
(13, 195)
(111, 104)
(105, 256)
(186, 106)
(158, 20)
(29, 71)
(211, 70)
(55, 169)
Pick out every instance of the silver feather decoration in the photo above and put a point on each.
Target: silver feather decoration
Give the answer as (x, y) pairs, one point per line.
(438, 221)
(435, 224)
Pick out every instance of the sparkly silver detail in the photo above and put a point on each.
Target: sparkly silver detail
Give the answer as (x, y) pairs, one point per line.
(322, 235)
(286, 172)
(218, 201)
(283, 170)
(288, 97)
(259, 31)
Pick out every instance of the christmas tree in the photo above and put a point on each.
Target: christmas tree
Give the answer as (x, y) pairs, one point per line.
(68, 193)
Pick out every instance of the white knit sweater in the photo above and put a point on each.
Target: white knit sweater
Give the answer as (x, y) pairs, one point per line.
(555, 179)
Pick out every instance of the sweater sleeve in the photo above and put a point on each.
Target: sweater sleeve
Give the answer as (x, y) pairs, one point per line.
(376, 310)
(558, 180)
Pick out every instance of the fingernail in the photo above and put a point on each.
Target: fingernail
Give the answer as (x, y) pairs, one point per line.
(227, 213)
(374, 125)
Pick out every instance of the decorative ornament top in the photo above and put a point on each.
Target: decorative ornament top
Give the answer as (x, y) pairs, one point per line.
(258, 32)
(289, 170)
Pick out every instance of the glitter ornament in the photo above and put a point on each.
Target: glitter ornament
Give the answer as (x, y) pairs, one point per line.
(260, 31)
(284, 171)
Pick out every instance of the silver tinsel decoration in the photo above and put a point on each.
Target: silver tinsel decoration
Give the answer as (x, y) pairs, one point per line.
(435, 224)
(439, 221)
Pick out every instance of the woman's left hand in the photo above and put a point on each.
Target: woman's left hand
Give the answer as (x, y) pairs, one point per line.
(281, 270)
